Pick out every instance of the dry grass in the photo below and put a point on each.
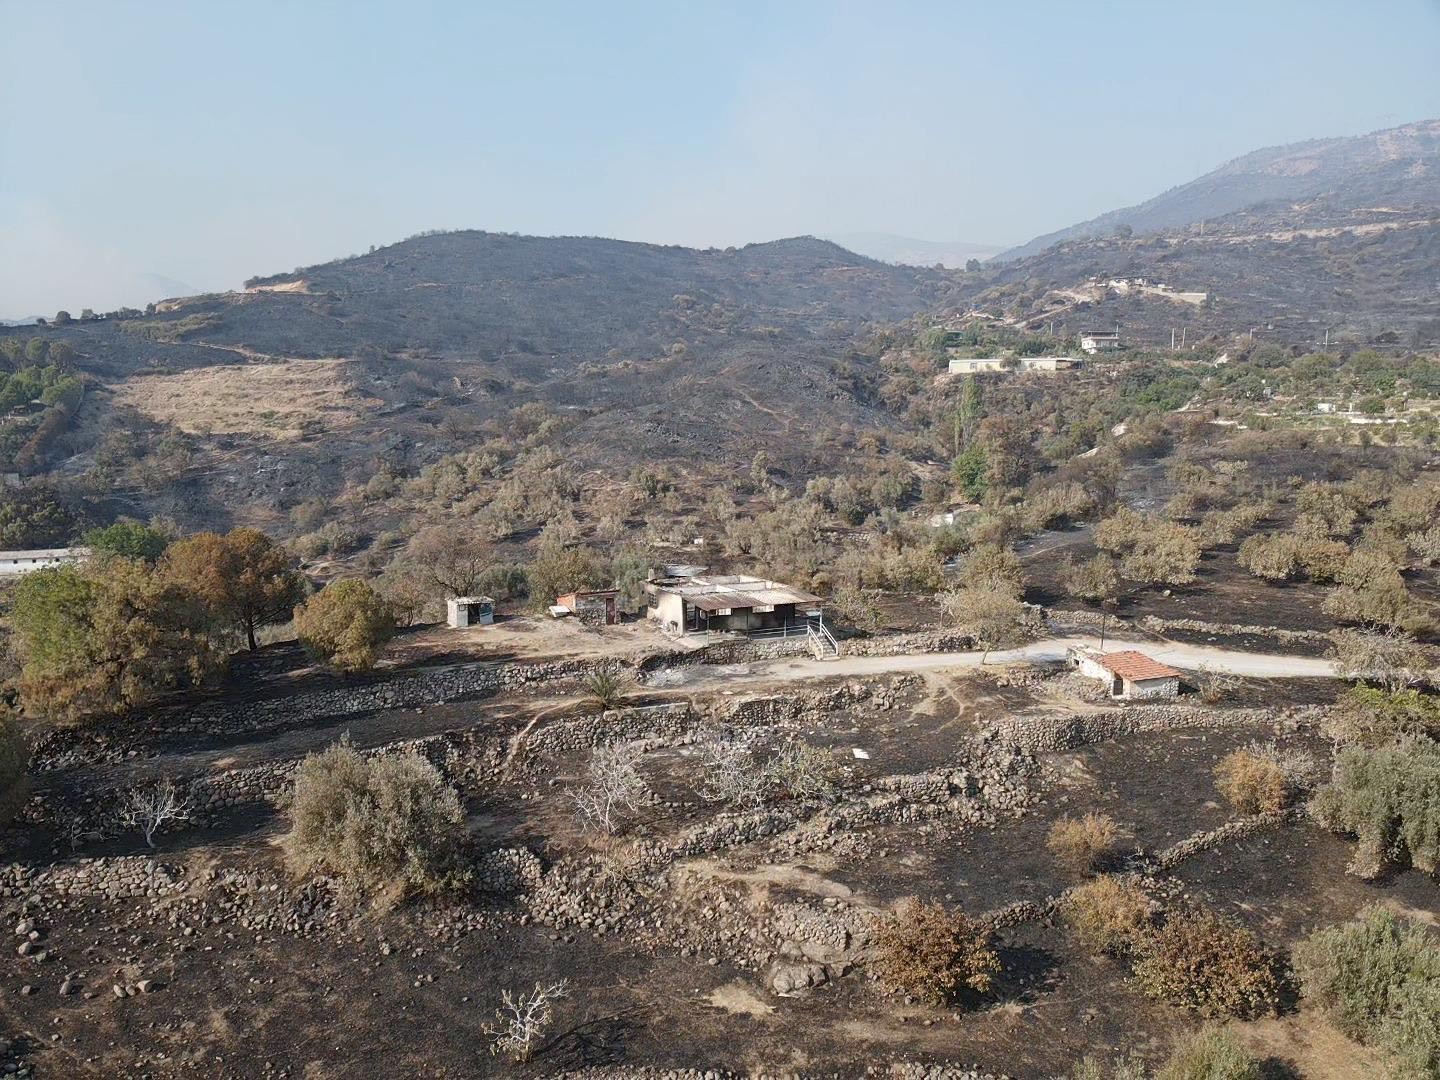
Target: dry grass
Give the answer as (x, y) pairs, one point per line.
(1108, 915)
(279, 399)
(1084, 844)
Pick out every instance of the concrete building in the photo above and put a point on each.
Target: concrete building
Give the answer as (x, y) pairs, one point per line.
(710, 603)
(1127, 674)
(965, 365)
(1094, 341)
(463, 611)
(1050, 363)
(594, 607)
(13, 563)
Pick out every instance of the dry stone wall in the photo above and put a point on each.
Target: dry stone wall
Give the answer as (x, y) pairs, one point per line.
(1047, 734)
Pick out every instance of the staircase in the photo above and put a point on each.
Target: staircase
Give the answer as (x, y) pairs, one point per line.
(823, 643)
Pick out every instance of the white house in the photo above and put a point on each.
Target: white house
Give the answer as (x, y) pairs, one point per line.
(1126, 674)
(1093, 341)
(974, 365)
(22, 562)
(1050, 363)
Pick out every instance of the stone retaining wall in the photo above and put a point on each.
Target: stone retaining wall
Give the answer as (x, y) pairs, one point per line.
(1047, 734)
(1308, 637)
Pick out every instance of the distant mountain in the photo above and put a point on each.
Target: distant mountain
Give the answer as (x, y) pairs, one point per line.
(1293, 273)
(1397, 167)
(907, 251)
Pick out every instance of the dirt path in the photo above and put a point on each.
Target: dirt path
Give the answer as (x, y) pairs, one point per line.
(1229, 661)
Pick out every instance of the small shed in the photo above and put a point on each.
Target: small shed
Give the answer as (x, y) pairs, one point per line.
(463, 611)
(593, 607)
(1126, 674)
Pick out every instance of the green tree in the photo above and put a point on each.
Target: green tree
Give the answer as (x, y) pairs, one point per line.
(559, 569)
(970, 470)
(34, 517)
(62, 318)
(127, 538)
(344, 625)
(244, 578)
(107, 636)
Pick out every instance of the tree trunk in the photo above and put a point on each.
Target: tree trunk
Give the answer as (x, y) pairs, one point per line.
(250, 635)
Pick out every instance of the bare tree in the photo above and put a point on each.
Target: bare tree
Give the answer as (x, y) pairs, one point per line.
(729, 772)
(1389, 658)
(522, 1018)
(149, 809)
(613, 784)
(733, 771)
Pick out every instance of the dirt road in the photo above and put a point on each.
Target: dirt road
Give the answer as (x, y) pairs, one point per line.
(1229, 661)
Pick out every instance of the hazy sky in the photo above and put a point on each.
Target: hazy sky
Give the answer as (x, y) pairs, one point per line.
(145, 144)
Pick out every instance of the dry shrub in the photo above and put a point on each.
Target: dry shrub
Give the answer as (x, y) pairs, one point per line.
(1200, 961)
(1379, 981)
(1252, 784)
(389, 826)
(932, 953)
(1107, 915)
(1209, 1054)
(1083, 844)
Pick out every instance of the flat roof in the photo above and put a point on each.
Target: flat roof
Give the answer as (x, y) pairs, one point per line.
(716, 593)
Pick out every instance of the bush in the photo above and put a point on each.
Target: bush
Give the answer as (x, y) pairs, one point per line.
(605, 690)
(1379, 981)
(1260, 779)
(1095, 580)
(1371, 717)
(14, 759)
(389, 826)
(1200, 961)
(1107, 915)
(933, 953)
(1389, 797)
(1209, 1054)
(344, 625)
(1083, 844)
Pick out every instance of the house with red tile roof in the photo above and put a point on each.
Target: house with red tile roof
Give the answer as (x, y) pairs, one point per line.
(1127, 674)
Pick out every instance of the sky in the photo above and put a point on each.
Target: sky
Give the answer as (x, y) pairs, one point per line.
(149, 147)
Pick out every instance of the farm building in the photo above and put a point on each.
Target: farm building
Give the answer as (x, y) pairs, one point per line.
(22, 562)
(463, 611)
(973, 365)
(1050, 363)
(700, 603)
(594, 607)
(1126, 674)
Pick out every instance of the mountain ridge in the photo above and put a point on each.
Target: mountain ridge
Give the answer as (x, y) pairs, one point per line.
(1400, 164)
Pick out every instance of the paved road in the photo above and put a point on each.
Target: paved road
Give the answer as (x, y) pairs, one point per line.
(1230, 661)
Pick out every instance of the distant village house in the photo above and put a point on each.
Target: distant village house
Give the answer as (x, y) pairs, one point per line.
(1049, 364)
(1094, 341)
